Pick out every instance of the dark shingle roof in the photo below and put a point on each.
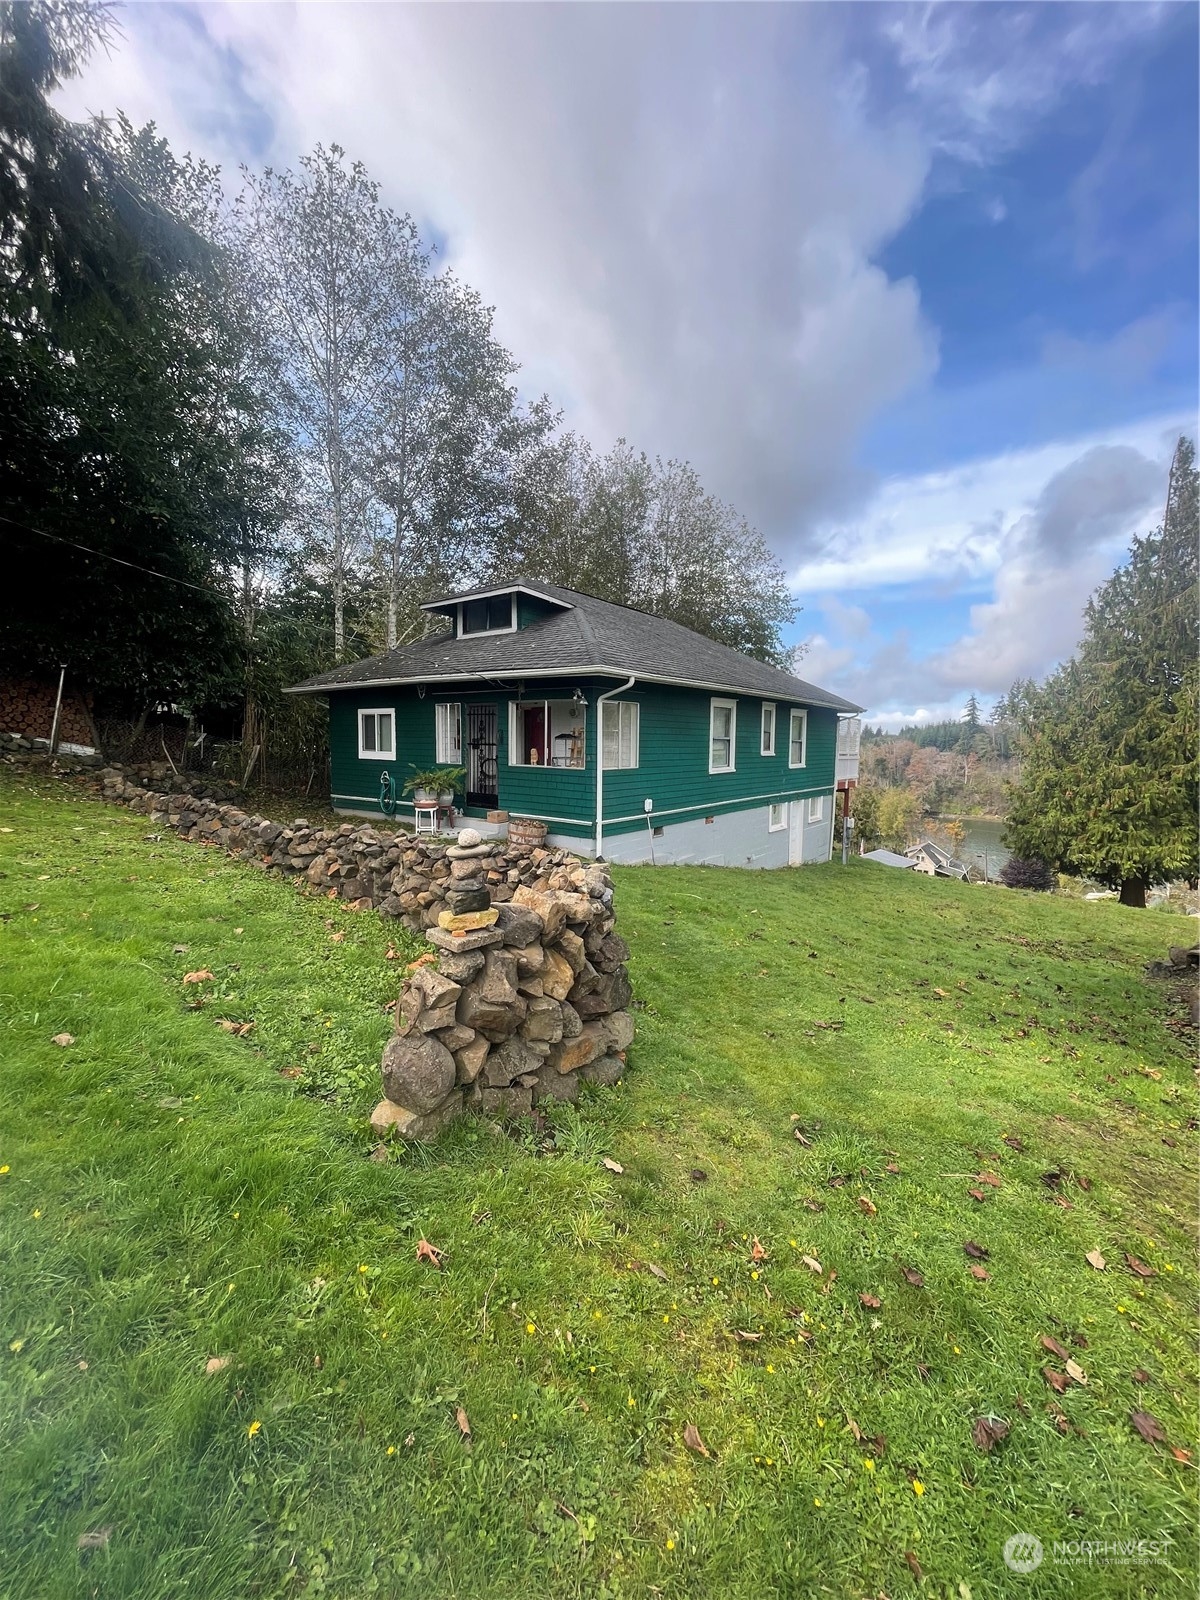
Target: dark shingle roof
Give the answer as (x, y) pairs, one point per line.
(593, 636)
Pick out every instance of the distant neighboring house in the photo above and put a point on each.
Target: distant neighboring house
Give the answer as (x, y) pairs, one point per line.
(930, 858)
(889, 858)
(626, 734)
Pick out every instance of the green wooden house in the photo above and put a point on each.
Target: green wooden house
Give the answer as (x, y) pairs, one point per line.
(629, 736)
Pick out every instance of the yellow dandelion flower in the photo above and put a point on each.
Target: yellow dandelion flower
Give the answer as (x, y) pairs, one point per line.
(670, 1544)
(820, 1422)
(515, 1417)
(591, 1369)
(391, 1449)
(715, 1282)
(597, 1315)
(665, 1317)
(793, 1244)
(770, 1368)
(631, 1402)
(1121, 1308)
(362, 1267)
(236, 1215)
(817, 1502)
(917, 1486)
(957, 1351)
(254, 1429)
(37, 1214)
(231, 1288)
(5, 1168)
(754, 1275)
(17, 1346)
(868, 1464)
(531, 1327)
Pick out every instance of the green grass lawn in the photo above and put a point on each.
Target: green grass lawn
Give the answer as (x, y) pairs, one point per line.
(172, 1192)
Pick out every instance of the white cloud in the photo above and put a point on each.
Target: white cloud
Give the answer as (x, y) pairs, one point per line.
(675, 210)
(1039, 530)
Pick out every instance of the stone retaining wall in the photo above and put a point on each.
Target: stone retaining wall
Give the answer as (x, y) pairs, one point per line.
(526, 992)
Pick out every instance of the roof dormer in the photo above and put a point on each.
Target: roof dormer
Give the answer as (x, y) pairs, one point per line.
(503, 609)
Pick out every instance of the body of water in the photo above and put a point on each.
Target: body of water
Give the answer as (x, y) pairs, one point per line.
(982, 847)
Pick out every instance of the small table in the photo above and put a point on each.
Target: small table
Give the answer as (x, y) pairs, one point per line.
(430, 818)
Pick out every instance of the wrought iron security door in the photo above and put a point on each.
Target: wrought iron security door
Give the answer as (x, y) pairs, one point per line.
(482, 754)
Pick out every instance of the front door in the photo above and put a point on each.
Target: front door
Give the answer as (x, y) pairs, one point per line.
(482, 758)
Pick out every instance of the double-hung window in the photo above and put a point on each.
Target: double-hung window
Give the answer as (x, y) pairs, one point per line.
(376, 735)
(622, 730)
(722, 732)
(767, 747)
(448, 726)
(777, 820)
(816, 808)
(797, 738)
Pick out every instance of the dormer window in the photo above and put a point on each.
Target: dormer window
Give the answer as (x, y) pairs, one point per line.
(492, 613)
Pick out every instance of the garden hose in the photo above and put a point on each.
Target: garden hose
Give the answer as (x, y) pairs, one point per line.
(387, 795)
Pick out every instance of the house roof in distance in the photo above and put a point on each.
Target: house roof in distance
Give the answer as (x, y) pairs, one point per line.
(585, 635)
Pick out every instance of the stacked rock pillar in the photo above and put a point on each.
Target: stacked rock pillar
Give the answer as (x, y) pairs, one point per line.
(521, 1001)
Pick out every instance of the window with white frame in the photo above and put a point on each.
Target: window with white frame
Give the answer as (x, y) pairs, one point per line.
(797, 738)
(816, 808)
(777, 817)
(722, 732)
(546, 733)
(767, 746)
(448, 726)
(376, 735)
(491, 613)
(622, 720)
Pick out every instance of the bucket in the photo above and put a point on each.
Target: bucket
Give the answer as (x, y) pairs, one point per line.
(526, 832)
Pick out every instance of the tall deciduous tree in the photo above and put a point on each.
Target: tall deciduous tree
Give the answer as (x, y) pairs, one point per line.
(326, 257)
(1109, 788)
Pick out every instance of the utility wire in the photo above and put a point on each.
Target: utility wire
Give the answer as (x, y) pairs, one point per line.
(105, 555)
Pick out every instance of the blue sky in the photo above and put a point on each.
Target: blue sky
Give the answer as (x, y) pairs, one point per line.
(915, 287)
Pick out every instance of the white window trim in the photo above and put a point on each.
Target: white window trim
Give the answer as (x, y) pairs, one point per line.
(633, 765)
(817, 800)
(376, 711)
(515, 707)
(713, 706)
(483, 633)
(767, 745)
(803, 715)
(780, 826)
(442, 757)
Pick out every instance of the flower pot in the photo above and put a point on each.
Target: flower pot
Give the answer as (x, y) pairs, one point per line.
(526, 831)
(424, 797)
(446, 797)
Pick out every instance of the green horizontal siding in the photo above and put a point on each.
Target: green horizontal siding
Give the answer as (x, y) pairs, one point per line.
(674, 754)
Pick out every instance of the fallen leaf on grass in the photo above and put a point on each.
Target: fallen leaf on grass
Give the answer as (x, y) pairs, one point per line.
(941, 994)
(1095, 1259)
(1148, 1426)
(892, 1168)
(611, 1165)
(1058, 1381)
(1139, 1268)
(97, 1539)
(977, 1252)
(802, 1138)
(988, 1432)
(977, 1194)
(1076, 1372)
(291, 1072)
(201, 975)
(1014, 1143)
(812, 1263)
(464, 1425)
(656, 1272)
(757, 1253)
(240, 1029)
(336, 938)
(1048, 1342)
(741, 1336)
(1061, 1420)
(867, 1206)
(981, 1273)
(1181, 1455)
(871, 1301)
(428, 1252)
(989, 1178)
(691, 1438)
(63, 1039)
(1140, 1375)
(911, 1275)
(698, 1175)
(1058, 1200)
(813, 1205)
(216, 1364)
(914, 1566)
